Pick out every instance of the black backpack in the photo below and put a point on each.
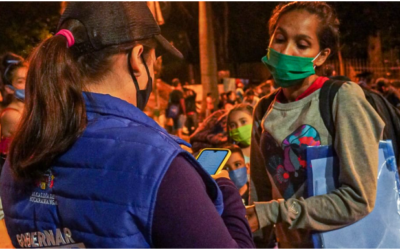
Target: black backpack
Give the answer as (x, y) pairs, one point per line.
(388, 113)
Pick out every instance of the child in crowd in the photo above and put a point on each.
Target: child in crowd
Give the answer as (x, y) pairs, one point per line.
(239, 172)
(239, 124)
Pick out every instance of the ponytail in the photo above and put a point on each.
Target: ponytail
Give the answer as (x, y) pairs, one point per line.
(54, 115)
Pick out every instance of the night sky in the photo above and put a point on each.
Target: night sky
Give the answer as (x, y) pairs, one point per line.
(248, 34)
(22, 26)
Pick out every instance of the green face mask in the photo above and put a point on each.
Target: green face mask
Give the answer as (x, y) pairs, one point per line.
(288, 70)
(242, 134)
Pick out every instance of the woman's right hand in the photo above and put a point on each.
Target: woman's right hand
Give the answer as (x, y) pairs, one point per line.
(251, 216)
(221, 174)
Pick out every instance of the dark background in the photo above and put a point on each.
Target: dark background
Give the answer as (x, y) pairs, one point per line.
(24, 24)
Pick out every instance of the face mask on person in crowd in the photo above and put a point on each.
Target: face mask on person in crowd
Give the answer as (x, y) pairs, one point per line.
(239, 176)
(242, 134)
(288, 70)
(18, 93)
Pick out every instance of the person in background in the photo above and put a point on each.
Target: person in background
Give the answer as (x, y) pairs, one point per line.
(231, 100)
(364, 79)
(302, 37)
(87, 168)
(176, 98)
(329, 71)
(341, 78)
(191, 112)
(388, 91)
(266, 88)
(13, 76)
(250, 98)
(239, 90)
(209, 105)
(222, 100)
(239, 172)
(239, 125)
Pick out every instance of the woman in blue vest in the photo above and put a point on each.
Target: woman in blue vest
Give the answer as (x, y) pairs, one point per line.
(88, 168)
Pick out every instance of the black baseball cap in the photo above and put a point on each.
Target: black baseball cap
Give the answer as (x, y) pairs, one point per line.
(112, 23)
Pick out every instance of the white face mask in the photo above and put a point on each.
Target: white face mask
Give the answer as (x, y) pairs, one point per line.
(316, 58)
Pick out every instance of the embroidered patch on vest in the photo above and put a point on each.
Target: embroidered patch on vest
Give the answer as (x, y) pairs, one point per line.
(47, 238)
(39, 195)
(47, 180)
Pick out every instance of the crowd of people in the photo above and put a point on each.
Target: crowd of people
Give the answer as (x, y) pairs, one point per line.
(83, 166)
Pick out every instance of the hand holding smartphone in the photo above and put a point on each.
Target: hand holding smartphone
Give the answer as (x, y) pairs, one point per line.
(213, 159)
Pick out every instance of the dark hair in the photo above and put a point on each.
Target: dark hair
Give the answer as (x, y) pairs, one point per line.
(249, 92)
(382, 82)
(56, 116)
(238, 107)
(235, 149)
(329, 70)
(9, 65)
(340, 78)
(229, 93)
(175, 82)
(328, 32)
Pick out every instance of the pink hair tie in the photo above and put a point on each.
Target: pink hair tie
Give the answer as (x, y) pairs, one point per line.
(67, 34)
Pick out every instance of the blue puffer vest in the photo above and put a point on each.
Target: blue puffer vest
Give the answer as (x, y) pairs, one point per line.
(102, 192)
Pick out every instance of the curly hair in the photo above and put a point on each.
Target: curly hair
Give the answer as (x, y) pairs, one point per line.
(328, 30)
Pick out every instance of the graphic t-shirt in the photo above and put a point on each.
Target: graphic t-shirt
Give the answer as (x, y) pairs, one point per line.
(289, 127)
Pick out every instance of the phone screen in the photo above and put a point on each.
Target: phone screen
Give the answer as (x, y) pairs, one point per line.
(211, 160)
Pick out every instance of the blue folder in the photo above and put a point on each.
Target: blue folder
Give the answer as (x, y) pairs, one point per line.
(380, 228)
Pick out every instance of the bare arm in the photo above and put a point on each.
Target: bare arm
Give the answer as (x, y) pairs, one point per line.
(9, 121)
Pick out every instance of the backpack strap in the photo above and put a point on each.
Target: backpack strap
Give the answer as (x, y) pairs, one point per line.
(326, 97)
(267, 102)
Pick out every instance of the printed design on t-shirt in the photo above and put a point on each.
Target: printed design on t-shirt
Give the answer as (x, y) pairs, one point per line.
(286, 163)
(305, 135)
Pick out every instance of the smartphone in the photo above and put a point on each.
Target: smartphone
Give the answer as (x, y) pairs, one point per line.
(213, 159)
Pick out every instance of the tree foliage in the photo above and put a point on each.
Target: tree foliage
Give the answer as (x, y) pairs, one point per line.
(24, 25)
